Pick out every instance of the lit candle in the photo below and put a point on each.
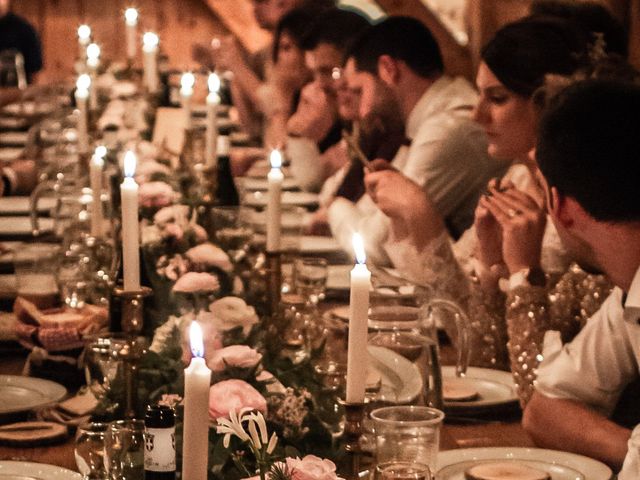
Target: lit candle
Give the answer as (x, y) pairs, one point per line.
(358, 317)
(274, 205)
(131, 22)
(130, 225)
(95, 176)
(197, 379)
(82, 94)
(150, 57)
(187, 82)
(84, 38)
(93, 61)
(213, 100)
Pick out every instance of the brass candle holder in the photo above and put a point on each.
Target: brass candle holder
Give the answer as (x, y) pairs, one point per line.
(353, 429)
(132, 304)
(274, 280)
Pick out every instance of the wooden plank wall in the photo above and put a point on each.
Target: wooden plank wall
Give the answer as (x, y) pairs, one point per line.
(179, 24)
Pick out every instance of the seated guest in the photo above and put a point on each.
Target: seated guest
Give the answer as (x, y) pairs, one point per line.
(398, 60)
(316, 125)
(586, 148)
(18, 36)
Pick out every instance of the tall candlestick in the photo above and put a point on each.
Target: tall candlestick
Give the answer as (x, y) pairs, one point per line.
(358, 318)
(130, 225)
(82, 94)
(187, 82)
(197, 378)
(131, 22)
(274, 205)
(95, 173)
(84, 38)
(150, 57)
(213, 100)
(93, 61)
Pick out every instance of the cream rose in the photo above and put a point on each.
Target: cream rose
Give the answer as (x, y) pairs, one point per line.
(193, 282)
(156, 194)
(234, 395)
(240, 356)
(311, 467)
(231, 312)
(208, 255)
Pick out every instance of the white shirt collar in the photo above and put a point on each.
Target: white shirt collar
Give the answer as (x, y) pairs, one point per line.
(632, 301)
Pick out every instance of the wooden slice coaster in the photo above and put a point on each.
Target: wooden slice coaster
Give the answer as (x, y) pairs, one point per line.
(32, 434)
(505, 471)
(455, 390)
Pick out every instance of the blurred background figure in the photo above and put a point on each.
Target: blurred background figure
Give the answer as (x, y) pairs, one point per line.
(20, 49)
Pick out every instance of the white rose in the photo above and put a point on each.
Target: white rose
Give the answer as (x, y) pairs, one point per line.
(209, 255)
(231, 312)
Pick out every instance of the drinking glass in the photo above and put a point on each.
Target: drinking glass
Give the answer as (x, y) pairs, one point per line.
(35, 266)
(327, 403)
(72, 278)
(231, 230)
(403, 471)
(311, 278)
(124, 450)
(89, 450)
(407, 434)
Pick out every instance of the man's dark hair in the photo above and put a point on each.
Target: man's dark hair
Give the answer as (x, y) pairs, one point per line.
(336, 27)
(589, 145)
(593, 17)
(402, 38)
(296, 24)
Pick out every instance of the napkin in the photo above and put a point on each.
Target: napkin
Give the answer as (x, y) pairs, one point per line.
(71, 412)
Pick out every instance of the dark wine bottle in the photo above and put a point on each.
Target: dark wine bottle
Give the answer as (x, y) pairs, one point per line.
(160, 443)
(227, 193)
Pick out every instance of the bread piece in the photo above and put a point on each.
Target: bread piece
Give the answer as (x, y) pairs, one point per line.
(505, 471)
(456, 390)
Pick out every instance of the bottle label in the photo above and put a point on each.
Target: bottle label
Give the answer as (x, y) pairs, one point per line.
(160, 449)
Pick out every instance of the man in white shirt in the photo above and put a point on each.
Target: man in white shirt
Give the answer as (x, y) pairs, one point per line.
(399, 60)
(587, 148)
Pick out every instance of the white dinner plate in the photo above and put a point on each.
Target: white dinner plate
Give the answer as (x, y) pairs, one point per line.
(13, 123)
(313, 244)
(21, 226)
(14, 138)
(495, 389)
(28, 109)
(21, 394)
(560, 465)
(20, 205)
(302, 199)
(9, 154)
(401, 381)
(11, 470)
(256, 183)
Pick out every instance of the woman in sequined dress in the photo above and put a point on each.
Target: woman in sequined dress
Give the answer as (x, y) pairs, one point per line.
(509, 270)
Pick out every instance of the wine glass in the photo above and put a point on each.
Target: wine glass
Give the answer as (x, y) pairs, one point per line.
(330, 411)
(89, 450)
(124, 449)
(403, 471)
(311, 278)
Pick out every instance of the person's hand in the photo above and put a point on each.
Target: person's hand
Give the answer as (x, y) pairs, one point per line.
(243, 158)
(522, 222)
(391, 191)
(315, 115)
(319, 224)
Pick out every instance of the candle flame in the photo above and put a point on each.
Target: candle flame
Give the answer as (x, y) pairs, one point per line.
(131, 16)
(195, 339)
(83, 82)
(84, 32)
(100, 151)
(358, 248)
(187, 81)
(150, 40)
(275, 158)
(130, 161)
(214, 83)
(93, 51)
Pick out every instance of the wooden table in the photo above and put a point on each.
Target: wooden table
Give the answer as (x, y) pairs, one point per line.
(493, 433)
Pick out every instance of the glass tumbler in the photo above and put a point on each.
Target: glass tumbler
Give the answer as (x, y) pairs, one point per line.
(407, 434)
(124, 450)
(89, 450)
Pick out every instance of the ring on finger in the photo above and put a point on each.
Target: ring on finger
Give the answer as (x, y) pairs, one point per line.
(512, 212)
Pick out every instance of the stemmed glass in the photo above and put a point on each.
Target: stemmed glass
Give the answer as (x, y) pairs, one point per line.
(332, 376)
(124, 450)
(89, 450)
(311, 278)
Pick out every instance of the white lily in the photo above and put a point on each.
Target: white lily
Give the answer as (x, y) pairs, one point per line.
(233, 426)
(272, 443)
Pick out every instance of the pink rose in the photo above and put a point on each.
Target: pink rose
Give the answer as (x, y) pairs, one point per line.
(173, 230)
(234, 395)
(156, 194)
(208, 255)
(192, 282)
(311, 467)
(201, 233)
(240, 356)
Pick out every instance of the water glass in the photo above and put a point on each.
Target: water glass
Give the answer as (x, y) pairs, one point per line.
(89, 450)
(407, 434)
(403, 471)
(311, 278)
(124, 450)
(35, 266)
